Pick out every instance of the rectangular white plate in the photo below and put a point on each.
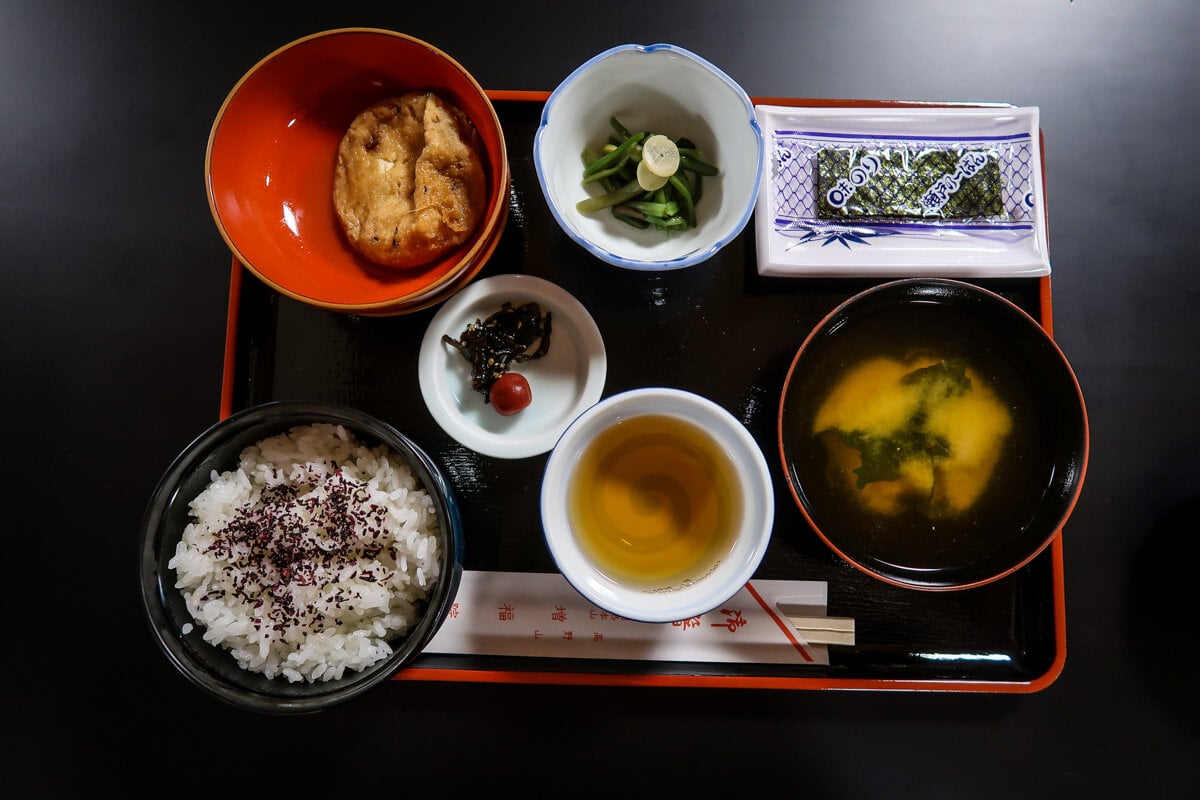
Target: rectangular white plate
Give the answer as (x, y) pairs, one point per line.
(793, 242)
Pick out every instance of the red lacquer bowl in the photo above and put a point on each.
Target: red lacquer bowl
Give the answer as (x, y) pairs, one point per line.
(272, 153)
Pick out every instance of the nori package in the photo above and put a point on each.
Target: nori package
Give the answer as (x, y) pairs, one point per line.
(924, 183)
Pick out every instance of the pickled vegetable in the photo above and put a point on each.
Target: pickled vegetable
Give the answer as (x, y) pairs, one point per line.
(503, 339)
(649, 179)
(510, 394)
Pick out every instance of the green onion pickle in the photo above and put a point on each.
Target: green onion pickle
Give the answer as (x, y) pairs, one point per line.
(673, 207)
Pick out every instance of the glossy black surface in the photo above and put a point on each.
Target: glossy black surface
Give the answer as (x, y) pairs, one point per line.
(113, 316)
(716, 329)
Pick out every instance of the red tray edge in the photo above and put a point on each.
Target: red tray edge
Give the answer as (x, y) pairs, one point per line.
(417, 673)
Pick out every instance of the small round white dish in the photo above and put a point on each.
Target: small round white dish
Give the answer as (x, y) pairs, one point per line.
(563, 383)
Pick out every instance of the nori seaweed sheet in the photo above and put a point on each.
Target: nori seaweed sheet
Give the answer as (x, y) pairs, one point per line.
(959, 183)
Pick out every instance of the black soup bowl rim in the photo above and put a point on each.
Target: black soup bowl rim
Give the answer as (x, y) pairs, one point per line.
(1009, 326)
(212, 668)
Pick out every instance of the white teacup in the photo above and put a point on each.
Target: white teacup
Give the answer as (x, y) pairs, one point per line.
(657, 505)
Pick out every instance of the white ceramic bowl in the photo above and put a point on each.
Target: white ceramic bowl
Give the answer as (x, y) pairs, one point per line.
(663, 89)
(659, 491)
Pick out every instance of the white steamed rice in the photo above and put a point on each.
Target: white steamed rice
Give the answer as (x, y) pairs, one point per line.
(311, 556)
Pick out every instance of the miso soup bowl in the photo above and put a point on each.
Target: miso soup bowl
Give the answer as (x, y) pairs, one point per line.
(933, 434)
(657, 505)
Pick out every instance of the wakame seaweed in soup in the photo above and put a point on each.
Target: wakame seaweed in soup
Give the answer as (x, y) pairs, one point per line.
(942, 359)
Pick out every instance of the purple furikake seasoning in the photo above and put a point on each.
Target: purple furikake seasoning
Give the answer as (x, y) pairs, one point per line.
(292, 549)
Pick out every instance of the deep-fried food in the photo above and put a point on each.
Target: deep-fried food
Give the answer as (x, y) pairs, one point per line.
(409, 183)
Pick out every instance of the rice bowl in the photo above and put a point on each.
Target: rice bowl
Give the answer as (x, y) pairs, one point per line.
(310, 556)
(296, 554)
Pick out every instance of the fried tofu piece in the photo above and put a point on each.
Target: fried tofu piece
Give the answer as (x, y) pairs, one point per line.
(409, 183)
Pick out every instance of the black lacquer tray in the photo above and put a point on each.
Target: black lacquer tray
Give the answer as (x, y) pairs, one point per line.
(718, 329)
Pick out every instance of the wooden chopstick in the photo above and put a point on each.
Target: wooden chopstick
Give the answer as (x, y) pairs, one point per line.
(824, 630)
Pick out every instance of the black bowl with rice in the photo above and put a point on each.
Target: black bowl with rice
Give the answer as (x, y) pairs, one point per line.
(296, 555)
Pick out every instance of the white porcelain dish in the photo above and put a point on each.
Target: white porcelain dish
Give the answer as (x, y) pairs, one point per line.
(664, 89)
(692, 597)
(563, 383)
(793, 242)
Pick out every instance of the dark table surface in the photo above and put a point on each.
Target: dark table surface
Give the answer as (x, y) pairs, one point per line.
(114, 309)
